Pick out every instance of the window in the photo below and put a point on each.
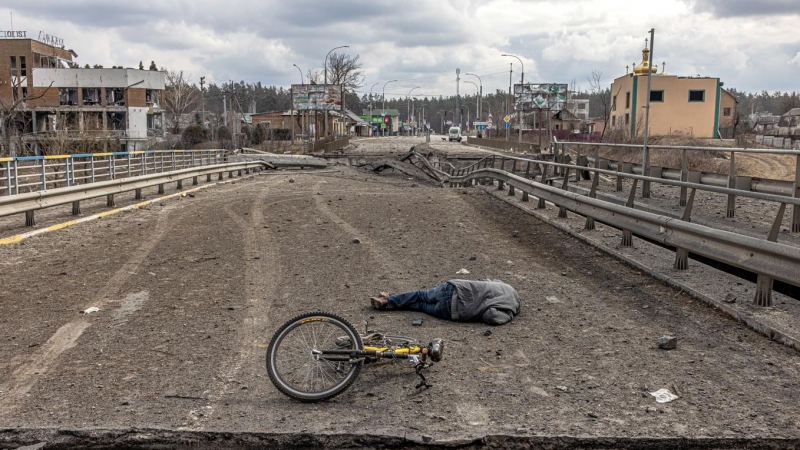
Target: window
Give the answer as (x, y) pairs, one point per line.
(726, 112)
(697, 96)
(627, 119)
(152, 97)
(91, 96)
(13, 66)
(22, 67)
(24, 93)
(67, 96)
(656, 96)
(581, 105)
(614, 103)
(115, 97)
(627, 100)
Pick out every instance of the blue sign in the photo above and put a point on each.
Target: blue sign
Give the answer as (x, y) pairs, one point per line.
(506, 125)
(481, 127)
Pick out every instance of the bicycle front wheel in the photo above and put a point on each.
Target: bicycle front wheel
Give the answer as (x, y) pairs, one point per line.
(296, 360)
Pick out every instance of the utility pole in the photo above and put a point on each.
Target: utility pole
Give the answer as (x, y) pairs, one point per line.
(508, 103)
(457, 112)
(370, 109)
(203, 100)
(408, 106)
(302, 114)
(645, 155)
(480, 96)
(522, 82)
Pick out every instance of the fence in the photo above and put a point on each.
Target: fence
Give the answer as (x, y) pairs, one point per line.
(39, 173)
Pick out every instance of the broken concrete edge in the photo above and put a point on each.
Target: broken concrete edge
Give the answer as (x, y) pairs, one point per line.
(767, 330)
(150, 438)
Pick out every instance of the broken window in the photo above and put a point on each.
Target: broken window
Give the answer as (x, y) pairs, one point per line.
(67, 96)
(22, 67)
(116, 120)
(153, 97)
(115, 97)
(627, 119)
(91, 96)
(614, 104)
(24, 93)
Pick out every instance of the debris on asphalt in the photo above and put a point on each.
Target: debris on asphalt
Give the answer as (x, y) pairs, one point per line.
(552, 299)
(90, 310)
(515, 233)
(416, 322)
(487, 331)
(291, 180)
(562, 388)
(462, 272)
(664, 396)
(667, 342)
(356, 241)
(730, 298)
(473, 258)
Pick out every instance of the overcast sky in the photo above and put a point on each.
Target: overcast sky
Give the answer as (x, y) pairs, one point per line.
(751, 45)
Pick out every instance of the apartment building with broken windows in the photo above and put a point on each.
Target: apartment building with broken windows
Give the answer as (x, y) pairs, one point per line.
(48, 104)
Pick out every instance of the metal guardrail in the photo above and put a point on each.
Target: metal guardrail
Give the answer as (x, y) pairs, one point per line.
(768, 259)
(730, 180)
(503, 145)
(30, 202)
(39, 173)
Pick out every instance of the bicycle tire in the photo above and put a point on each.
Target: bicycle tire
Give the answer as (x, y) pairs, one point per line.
(316, 331)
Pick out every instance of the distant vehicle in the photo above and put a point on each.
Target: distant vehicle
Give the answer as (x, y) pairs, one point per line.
(454, 134)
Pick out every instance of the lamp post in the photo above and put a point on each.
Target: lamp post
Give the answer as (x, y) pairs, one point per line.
(370, 106)
(480, 95)
(326, 83)
(302, 124)
(477, 102)
(408, 102)
(383, 112)
(521, 82)
(645, 150)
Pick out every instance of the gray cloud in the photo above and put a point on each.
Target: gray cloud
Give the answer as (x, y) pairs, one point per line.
(740, 8)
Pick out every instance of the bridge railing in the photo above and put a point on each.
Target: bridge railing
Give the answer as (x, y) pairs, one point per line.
(24, 174)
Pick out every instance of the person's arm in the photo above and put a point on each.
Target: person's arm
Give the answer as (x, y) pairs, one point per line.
(494, 316)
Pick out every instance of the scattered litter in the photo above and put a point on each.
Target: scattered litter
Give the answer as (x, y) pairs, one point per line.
(562, 388)
(487, 331)
(291, 180)
(356, 241)
(509, 262)
(473, 258)
(515, 233)
(192, 196)
(663, 396)
(730, 298)
(416, 322)
(93, 309)
(667, 342)
(552, 299)
(462, 272)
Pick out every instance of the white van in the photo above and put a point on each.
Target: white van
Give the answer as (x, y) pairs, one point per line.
(454, 134)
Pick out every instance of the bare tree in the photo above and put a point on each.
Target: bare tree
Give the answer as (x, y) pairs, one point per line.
(13, 113)
(603, 96)
(345, 70)
(181, 97)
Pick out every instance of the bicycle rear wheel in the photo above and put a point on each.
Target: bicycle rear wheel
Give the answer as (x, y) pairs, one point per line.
(295, 365)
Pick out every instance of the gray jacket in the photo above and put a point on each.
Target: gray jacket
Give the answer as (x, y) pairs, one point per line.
(491, 301)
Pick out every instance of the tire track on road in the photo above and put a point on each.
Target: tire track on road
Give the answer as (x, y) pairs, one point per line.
(260, 289)
(16, 387)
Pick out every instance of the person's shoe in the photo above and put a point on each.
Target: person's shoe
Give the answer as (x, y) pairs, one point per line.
(379, 303)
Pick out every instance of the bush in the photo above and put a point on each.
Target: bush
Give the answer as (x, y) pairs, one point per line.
(247, 132)
(260, 134)
(223, 133)
(193, 135)
(282, 134)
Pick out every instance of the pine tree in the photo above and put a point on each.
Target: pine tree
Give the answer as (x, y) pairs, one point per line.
(153, 66)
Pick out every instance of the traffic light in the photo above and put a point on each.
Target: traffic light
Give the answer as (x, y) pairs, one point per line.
(386, 120)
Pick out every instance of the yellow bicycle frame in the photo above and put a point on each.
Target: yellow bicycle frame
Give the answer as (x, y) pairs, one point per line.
(412, 350)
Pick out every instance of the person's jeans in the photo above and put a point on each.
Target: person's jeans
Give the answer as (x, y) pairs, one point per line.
(435, 302)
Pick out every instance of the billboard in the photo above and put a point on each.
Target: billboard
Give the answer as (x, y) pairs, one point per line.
(317, 97)
(530, 96)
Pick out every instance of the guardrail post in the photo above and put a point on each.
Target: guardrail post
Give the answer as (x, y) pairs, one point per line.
(684, 175)
(499, 185)
(194, 181)
(511, 191)
(682, 254)
(179, 185)
(619, 177)
(15, 176)
(91, 169)
(796, 194)
(240, 172)
(730, 211)
(763, 296)
(111, 168)
(110, 201)
(527, 170)
(161, 188)
(67, 181)
(513, 166)
(30, 220)
(562, 211)
(592, 194)
(230, 174)
(208, 178)
(43, 175)
(76, 208)
(220, 176)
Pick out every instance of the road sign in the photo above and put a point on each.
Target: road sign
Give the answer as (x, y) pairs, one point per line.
(507, 119)
(506, 125)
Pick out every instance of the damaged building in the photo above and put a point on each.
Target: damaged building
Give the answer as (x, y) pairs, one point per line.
(49, 105)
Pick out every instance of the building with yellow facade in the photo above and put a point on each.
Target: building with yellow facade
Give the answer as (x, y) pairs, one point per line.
(688, 106)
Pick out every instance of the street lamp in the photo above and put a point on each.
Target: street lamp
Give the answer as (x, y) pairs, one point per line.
(408, 102)
(326, 83)
(521, 82)
(302, 117)
(480, 95)
(370, 106)
(477, 101)
(384, 98)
